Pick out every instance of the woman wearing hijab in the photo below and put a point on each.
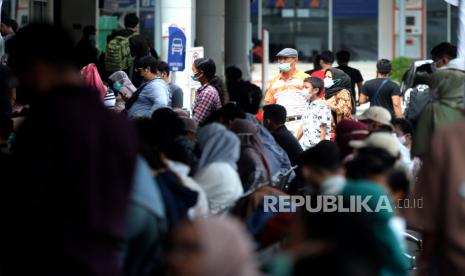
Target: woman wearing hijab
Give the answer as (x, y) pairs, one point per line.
(220, 151)
(338, 96)
(91, 79)
(213, 246)
(252, 165)
(447, 88)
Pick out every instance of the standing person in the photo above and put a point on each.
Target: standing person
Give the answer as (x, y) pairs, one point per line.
(316, 64)
(118, 53)
(152, 94)
(441, 215)
(343, 58)
(316, 122)
(8, 28)
(338, 96)
(86, 49)
(326, 62)
(286, 88)
(176, 94)
(211, 95)
(76, 228)
(382, 91)
(442, 54)
(140, 47)
(447, 86)
(274, 119)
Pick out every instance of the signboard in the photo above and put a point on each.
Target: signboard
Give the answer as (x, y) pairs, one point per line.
(176, 49)
(355, 8)
(193, 54)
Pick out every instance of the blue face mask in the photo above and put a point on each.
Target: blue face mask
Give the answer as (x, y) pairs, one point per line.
(194, 77)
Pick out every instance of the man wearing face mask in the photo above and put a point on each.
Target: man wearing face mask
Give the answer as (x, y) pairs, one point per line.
(286, 88)
(152, 94)
(86, 49)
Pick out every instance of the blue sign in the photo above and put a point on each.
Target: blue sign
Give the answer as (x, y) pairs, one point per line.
(355, 8)
(176, 49)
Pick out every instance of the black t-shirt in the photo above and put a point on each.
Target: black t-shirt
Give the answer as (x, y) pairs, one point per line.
(384, 96)
(289, 143)
(354, 74)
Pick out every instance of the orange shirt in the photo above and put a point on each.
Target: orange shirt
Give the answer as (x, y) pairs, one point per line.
(288, 93)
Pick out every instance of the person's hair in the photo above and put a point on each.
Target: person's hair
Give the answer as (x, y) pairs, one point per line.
(421, 77)
(148, 62)
(88, 31)
(147, 134)
(399, 181)
(11, 23)
(276, 113)
(252, 95)
(370, 161)
(316, 83)
(168, 127)
(384, 66)
(208, 67)
(444, 49)
(233, 73)
(51, 45)
(226, 114)
(324, 156)
(404, 125)
(131, 20)
(316, 62)
(139, 46)
(343, 56)
(163, 67)
(327, 57)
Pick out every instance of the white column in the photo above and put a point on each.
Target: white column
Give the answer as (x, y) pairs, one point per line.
(238, 36)
(180, 13)
(210, 30)
(401, 21)
(385, 31)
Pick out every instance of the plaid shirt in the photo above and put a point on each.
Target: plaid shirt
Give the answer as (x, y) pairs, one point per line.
(207, 100)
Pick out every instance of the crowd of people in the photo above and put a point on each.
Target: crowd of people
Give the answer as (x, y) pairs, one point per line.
(104, 173)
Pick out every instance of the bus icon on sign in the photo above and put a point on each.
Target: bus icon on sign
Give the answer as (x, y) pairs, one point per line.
(176, 46)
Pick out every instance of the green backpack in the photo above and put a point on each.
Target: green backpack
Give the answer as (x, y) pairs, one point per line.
(118, 54)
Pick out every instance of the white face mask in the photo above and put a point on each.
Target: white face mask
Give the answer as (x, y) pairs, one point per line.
(328, 82)
(284, 67)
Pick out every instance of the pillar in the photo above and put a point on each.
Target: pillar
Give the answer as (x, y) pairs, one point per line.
(210, 30)
(238, 38)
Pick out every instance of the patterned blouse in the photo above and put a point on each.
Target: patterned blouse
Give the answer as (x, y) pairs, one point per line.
(315, 115)
(207, 100)
(341, 105)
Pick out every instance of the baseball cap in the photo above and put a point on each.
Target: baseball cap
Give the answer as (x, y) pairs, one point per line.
(377, 114)
(288, 52)
(382, 140)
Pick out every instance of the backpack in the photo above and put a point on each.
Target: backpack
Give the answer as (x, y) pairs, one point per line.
(118, 54)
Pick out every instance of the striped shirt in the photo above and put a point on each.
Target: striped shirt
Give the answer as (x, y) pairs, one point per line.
(288, 93)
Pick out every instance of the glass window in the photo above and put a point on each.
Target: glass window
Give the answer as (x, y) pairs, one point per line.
(436, 23)
(300, 24)
(112, 14)
(355, 28)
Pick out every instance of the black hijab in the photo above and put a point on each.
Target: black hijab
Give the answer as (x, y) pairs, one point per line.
(341, 81)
